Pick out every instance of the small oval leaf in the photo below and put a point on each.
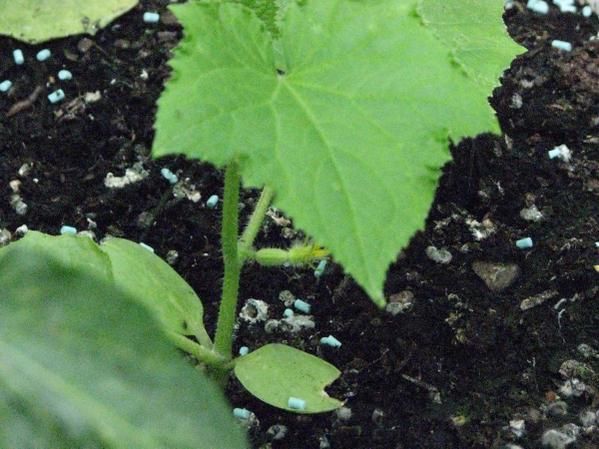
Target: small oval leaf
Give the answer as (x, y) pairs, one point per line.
(275, 372)
(146, 276)
(135, 270)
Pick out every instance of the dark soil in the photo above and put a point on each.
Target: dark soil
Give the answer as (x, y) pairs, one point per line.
(454, 369)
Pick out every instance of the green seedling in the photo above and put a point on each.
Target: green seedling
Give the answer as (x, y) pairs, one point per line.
(341, 112)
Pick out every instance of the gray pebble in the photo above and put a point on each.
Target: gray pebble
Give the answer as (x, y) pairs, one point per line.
(497, 276)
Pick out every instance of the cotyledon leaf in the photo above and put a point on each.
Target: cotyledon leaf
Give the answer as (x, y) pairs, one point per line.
(275, 372)
(346, 116)
(146, 276)
(36, 21)
(135, 270)
(82, 364)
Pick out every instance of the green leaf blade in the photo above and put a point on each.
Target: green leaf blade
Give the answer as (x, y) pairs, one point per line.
(153, 282)
(85, 365)
(353, 134)
(35, 21)
(276, 372)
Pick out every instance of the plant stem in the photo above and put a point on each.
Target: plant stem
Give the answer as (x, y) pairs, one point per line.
(253, 226)
(204, 355)
(223, 340)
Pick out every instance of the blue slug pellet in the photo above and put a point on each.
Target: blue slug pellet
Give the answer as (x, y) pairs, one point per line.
(18, 57)
(296, 403)
(42, 55)
(587, 11)
(302, 306)
(288, 313)
(561, 45)
(524, 243)
(556, 152)
(330, 341)
(212, 201)
(68, 230)
(319, 271)
(539, 7)
(56, 96)
(5, 85)
(151, 17)
(65, 75)
(241, 413)
(244, 350)
(169, 175)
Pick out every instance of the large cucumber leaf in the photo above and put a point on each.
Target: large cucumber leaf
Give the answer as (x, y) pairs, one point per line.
(36, 21)
(346, 115)
(84, 365)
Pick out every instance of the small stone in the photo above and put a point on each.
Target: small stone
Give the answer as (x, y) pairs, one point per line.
(122, 44)
(297, 323)
(277, 432)
(557, 408)
(18, 205)
(287, 298)
(92, 97)
(531, 214)
(555, 439)
(343, 413)
(587, 351)
(254, 311)
(84, 45)
(480, 230)
(166, 36)
(587, 418)
(573, 368)
(400, 302)
(516, 101)
(172, 256)
(324, 443)
(24, 170)
(271, 326)
(186, 190)
(15, 185)
(496, 275)
(5, 237)
(22, 230)
(518, 427)
(378, 416)
(145, 220)
(132, 175)
(533, 301)
(573, 387)
(442, 256)
(571, 429)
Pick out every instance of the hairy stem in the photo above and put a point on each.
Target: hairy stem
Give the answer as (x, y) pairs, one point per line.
(201, 353)
(253, 226)
(223, 340)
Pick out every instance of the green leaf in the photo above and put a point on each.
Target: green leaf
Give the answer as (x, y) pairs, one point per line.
(347, 116)
(276, 372)
(84, 365)
(136, 271)
(147, 277)
(36, 21)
